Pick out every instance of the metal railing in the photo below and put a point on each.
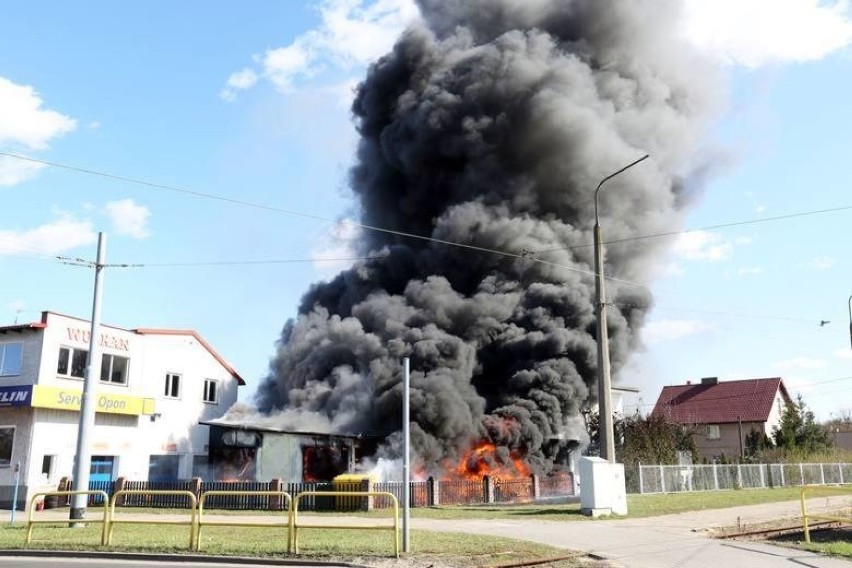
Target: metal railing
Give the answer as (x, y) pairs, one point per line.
(31, 510)
(821, 516)
(177, 495)
(295, 525)
(234, 522)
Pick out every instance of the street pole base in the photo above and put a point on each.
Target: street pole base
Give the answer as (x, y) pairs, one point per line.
(77, 514)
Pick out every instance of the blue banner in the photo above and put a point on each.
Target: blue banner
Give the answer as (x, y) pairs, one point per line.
(16, 396)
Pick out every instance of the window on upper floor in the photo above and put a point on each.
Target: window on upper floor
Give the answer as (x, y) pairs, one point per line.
(72, 362)
(11, 355)
(713, 432)
(114, 369)
(172, 385)
(211, 391)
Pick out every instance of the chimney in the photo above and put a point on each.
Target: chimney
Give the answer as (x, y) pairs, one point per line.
(710, 381)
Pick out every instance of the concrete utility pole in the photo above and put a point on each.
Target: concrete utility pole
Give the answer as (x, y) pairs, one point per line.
(850, 320)
(89, 399)
(606, 437)
(406, 457)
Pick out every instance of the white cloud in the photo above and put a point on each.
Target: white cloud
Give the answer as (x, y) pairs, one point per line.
(52, 238)
(845, 353)
(704, 245)
(752, 33)
(800, 363)
(822, 263)
(14, 171)
(128, 218)
(352, 33)
(25, 125)
(667, 330)
(238, 81)
(334, 248)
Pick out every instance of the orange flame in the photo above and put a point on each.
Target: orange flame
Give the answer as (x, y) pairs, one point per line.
(483, 459)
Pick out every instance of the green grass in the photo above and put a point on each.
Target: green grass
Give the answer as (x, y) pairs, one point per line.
(451, 549)
(835, 548)
(448, 548)
(637, 506)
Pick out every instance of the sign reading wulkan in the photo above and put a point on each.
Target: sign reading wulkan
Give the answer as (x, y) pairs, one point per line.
(70, 399)
(105, 340)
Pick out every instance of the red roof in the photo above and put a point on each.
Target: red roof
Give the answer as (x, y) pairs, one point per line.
(710, 402)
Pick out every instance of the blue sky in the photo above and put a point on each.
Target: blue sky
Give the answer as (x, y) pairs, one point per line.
(250, 102)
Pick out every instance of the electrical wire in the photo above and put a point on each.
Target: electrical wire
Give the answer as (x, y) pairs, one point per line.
(523, 255)
(707, 228)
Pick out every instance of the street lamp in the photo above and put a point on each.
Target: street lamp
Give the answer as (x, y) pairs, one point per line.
(606, 437)
(850, 320)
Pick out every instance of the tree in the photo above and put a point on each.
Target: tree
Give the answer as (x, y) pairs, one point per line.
(648, 440)
(799, 430)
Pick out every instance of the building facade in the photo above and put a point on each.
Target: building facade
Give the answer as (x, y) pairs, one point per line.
(722, 414)
(153, 389)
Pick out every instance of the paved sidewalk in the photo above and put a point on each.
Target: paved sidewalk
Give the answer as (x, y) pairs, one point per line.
(669, 541)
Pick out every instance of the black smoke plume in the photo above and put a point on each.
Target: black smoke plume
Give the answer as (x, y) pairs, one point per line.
(490, 124)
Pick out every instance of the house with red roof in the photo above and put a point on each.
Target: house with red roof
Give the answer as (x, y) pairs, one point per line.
(723, 413)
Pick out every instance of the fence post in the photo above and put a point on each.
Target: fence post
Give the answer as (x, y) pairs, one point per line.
(802, 473)
(195, 486)
(488, 488)
(822, 472)
(433, 487)
(840, 471)
(715, 476)
(641, 489)
(535, 488)
(762, 476)
(662, 479)
(275, 501)
(120, 484)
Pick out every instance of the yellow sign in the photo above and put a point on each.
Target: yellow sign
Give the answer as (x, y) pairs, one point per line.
(70, 399)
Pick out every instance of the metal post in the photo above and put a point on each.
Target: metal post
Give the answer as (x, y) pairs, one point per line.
(15, 494)
(89, 398)
(606, 437)
(850, 320)
(640, 479)
(406, 457)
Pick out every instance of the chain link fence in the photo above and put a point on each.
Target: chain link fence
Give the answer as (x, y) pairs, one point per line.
(715, 477)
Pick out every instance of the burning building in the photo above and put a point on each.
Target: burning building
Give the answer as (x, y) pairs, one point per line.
(245, 452)
(483, 135)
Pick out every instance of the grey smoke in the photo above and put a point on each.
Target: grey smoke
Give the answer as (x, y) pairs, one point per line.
(490, 124)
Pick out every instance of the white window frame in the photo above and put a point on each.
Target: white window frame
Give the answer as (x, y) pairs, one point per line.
(4, 358)
(206, 395)
(71, 351)
(108, 370)
(172, 380)
(713, 432)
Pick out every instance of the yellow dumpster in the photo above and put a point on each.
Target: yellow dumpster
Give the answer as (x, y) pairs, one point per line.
(353, 482)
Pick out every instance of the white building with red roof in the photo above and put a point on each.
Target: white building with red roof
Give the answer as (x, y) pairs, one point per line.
(723, 413)
(154, 388)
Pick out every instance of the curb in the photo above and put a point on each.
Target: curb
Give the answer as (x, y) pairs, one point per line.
(210, 559)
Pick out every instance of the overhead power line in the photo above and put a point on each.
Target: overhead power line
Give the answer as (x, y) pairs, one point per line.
(523, 255)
